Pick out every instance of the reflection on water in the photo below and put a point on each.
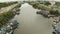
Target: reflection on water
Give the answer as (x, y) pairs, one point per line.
(31, 23)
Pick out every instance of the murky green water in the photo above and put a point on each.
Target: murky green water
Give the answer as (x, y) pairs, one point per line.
(32, 23)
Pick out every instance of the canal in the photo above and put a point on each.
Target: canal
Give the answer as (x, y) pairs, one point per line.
(32, 23)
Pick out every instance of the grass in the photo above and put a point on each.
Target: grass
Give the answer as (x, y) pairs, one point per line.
(5, 17)
(6, 4)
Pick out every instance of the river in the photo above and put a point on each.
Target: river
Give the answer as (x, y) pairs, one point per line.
(32, 23)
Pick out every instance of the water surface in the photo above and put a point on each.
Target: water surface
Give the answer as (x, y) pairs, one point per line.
(32, 23)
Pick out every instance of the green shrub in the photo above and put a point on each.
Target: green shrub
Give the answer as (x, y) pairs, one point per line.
(35, 5)
(56, 12)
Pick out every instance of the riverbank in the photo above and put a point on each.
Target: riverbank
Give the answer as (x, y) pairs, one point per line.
(6, 16)
(38, 5)
(5, 4)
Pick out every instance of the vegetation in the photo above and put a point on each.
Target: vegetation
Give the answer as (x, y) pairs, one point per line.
(57, 3)
(18, 6)
(5, 17)
(56, 12)
(40, 5)
(47, 3)
(6, 4)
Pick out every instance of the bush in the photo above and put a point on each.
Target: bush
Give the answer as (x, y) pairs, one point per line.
(35, 5)
(56, 12)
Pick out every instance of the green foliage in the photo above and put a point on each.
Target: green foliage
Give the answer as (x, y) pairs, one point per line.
(37, 5)
(57, 3)
(5, 17)
(47, 3)
(3, 5)
(44, 7)
(56, 12)
(18, 6)
(6, 4)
